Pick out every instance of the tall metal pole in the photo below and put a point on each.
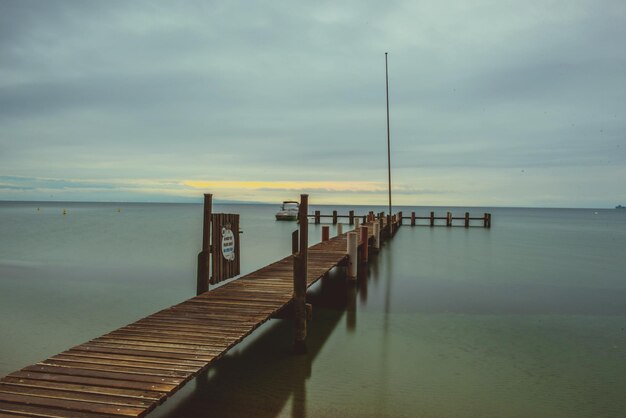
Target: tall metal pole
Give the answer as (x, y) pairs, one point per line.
(388, 140)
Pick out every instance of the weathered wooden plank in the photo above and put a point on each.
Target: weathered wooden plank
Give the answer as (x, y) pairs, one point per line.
(95, 381)
(154, 351)
(136, 358)
(47, 412)
(107, 348)
(76, 396)
(148, 396)
(182, 337)
(188, 327)
(10, 415)
(72, 405)
(222, 326)
(143, 370)
(162, 345)
(118, 362)
(77, 371)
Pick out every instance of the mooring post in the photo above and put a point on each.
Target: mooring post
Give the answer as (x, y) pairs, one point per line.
(489, 221)
(467, 219)
(376, 236)
(413, 218)
(485, 221)
(352, 254)
(325, 233)
(400, 218)
(432, 218)
(448, 219)
(295, 243)
(299, 278)
(351, 217)
(334, 217)
(339, 229)
(317, 217)
(364, 243)
(356, 223)
(205, 255)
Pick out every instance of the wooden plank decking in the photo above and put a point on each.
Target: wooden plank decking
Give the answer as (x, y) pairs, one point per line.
(131, 370)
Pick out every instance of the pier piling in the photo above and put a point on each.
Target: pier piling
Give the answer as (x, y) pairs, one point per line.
(300, 261)
(204, 255)
(352, 245)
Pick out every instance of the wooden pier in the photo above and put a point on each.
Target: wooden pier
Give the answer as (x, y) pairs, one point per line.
(130, 371)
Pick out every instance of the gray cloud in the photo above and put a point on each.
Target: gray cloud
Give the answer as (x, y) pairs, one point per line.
(283, 91)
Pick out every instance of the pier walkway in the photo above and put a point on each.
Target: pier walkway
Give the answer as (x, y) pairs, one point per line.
(131, 370)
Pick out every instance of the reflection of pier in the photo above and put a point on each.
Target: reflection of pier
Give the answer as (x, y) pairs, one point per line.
(131, 370)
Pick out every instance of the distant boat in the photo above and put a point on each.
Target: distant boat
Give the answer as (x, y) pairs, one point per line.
(620, 207)
(288, 211)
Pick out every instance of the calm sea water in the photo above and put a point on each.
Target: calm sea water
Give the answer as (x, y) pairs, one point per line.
(525, 319)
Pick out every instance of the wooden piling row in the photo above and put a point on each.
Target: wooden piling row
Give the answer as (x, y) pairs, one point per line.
(398, 219)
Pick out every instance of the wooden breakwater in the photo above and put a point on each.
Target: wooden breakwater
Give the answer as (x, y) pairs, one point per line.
(414, 220)
(131, 370)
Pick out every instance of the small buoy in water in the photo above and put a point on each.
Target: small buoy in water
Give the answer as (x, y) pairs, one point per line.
(37, 209)
(119, 210)
(595, 213)
(64, 211)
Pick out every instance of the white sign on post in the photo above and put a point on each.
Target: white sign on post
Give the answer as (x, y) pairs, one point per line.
(228, 244)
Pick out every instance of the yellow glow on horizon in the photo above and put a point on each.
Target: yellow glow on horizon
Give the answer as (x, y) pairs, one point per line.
(333, 186)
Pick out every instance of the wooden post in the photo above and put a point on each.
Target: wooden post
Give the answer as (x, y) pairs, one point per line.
(376, 236)
(485, 221)
(339, 229)
(334, 217)
(364, 245)
(489, 220)
(389, 226)
(432, 218)
(467, 219)
(352, 254)
(448, 219)
(413, 218)
(364, 219)
(400, 218)
(325, 233)
(295, 243)
(381, 228)
(204, 256)
(300, 261)
(351, 217)
(356, 224)
(317, 217)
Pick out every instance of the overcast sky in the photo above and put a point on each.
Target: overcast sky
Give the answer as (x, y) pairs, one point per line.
(493, 103)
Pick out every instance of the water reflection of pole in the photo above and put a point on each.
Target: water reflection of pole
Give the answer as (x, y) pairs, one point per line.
(385, 343)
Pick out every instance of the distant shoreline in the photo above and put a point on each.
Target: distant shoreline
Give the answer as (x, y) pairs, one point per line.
(241, 202)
